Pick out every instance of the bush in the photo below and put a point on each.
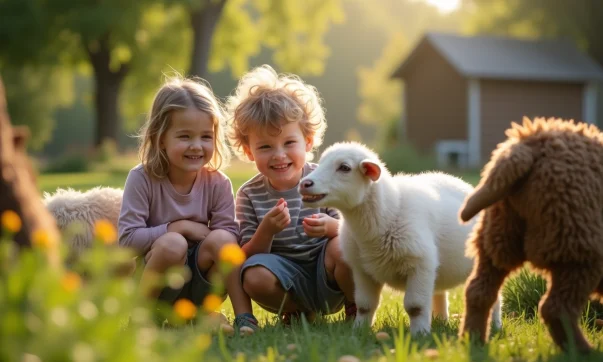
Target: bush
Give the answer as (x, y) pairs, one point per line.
(522, 293)
(405, 158)
(106, 152)
(68, 164)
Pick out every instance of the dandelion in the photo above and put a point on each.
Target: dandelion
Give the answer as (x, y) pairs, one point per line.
(42, 239)
(232, 254)
(185, 309)
(105, 231)
(212, 302)
(71, 282)
(11, 221)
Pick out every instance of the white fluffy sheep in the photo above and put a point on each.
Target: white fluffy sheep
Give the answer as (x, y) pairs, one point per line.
(401, 231)
(76, 212)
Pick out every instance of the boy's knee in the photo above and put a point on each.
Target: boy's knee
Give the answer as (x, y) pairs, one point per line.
(333, 255)
(171, 247)
(258, 280)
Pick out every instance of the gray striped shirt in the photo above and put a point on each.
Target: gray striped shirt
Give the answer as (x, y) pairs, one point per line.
(256, 197)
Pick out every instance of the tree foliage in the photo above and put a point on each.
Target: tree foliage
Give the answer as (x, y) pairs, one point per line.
(33, 94)
(579, 20)
(381, 96)
(129, 46)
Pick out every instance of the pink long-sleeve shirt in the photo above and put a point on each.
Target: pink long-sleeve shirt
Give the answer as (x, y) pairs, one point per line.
(149, 204)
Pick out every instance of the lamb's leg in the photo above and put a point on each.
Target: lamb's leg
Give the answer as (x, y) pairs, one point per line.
(440, 305)
(367, 293)
(418, 299)
(568, 290)
(481, 293)
(497, 314)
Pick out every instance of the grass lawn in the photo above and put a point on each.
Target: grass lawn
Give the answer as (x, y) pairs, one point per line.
(330, 338)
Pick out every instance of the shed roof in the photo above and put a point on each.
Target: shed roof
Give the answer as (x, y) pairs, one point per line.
(510, 58)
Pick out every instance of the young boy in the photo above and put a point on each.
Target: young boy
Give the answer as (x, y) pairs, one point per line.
(294, 261)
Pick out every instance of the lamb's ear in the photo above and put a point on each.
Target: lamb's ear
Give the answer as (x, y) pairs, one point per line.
(371, 169)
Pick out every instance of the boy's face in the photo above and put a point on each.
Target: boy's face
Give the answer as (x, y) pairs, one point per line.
(281, 158)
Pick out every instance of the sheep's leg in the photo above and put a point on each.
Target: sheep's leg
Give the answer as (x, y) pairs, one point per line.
(568, 290)
(418, 299)
(367, 293)
(481, 292)
(440, 305)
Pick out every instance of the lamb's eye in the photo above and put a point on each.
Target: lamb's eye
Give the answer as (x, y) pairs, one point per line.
(344, 168)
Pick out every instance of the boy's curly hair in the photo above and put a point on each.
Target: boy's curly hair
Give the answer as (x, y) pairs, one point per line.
(265, 100)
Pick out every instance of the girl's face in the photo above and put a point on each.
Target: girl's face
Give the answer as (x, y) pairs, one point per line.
(280, 158)
(188, 142)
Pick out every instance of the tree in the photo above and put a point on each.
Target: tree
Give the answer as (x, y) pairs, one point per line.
(36, 82)
(381, 96)
(118, 39)
(33, 94)
(111, 36)
(579, 20)
(232, 31)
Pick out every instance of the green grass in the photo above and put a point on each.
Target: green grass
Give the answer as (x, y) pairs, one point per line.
(115, 176)
(522, 339)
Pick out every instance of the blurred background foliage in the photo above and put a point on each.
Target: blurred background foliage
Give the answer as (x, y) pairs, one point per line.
(80, 73)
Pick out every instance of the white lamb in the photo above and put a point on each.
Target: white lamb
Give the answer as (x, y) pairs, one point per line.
(76, 212)
(401, 230)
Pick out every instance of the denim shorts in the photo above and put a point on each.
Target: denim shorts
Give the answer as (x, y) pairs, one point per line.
(195, 289)
(307, 282)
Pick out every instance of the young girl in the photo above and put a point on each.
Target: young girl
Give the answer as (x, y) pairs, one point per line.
(178, 208)
(295, 264)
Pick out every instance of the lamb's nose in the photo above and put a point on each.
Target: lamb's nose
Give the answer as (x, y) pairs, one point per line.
(307, 184)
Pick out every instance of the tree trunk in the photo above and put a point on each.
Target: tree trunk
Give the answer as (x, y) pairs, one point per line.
(204, 21)
(108, 84)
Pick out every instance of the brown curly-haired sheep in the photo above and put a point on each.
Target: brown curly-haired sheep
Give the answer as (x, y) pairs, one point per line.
(18, 190)
(542, 196)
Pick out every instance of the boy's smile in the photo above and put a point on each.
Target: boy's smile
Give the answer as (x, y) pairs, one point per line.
(284, 167)
(281, 157)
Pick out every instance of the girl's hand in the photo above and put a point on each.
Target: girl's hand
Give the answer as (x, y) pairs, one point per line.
(277, 218)
(319, 225)
(193, 231)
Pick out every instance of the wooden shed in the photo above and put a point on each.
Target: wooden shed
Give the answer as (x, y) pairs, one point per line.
(461, 93)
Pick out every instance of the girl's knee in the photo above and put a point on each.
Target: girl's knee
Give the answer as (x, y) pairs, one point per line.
(170, 247)
(258, 280)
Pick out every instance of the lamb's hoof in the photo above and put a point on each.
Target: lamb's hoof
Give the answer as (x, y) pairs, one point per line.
(360, 323)
(496, 326)
(419, 331)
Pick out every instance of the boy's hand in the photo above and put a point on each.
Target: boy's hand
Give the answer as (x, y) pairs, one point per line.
(277, 218)
(319, 225)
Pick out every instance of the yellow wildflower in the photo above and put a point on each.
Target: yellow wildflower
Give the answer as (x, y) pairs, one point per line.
(185, 309)
(42, 239)
(71, 281)
(203, 341)
(212, 302)
(11, 221)
(105, 231)
(232, 254)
